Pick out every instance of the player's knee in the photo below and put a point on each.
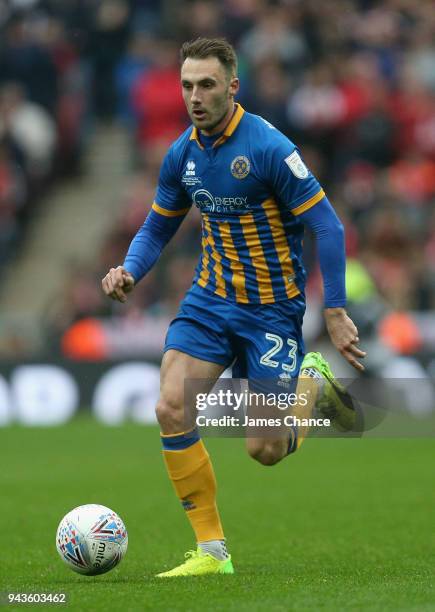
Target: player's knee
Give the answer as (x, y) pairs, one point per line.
(268, 453)
(170, 414)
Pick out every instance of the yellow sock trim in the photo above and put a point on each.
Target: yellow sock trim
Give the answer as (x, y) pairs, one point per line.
(175, 435)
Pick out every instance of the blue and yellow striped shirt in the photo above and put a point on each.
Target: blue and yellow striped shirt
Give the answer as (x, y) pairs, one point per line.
(250, 187)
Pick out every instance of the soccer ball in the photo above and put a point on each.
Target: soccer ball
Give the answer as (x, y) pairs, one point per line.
(91, 539)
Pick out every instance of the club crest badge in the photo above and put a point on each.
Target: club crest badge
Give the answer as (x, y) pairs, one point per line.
(297, 166)
(240, 167)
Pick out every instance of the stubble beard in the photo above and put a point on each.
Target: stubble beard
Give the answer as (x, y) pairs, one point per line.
(209, 127)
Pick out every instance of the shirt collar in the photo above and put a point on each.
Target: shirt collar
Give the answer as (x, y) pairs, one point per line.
(229, 130)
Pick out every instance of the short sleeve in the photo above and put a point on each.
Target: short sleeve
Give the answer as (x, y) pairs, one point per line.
(291, 180)
(171, 198)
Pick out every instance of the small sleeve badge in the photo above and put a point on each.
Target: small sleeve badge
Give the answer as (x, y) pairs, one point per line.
(297, 166)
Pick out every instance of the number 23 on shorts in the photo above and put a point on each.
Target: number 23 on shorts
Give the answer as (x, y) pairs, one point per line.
(289, 363)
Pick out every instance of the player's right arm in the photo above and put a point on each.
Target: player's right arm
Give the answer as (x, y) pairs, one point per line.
(165, 217)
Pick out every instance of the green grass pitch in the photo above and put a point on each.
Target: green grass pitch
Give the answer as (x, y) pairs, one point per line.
(341, 525)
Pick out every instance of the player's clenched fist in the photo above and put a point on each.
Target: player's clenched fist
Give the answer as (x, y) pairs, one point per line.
(117, 283)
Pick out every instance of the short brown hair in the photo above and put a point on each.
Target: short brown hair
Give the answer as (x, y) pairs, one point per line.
(200, 48)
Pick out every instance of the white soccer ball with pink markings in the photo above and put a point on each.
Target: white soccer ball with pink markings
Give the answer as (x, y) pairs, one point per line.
(91, 539)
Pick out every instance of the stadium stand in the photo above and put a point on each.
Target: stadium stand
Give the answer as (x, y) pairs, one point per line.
(352, 82)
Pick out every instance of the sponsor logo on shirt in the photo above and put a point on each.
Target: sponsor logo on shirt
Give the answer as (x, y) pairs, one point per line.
(206, 202)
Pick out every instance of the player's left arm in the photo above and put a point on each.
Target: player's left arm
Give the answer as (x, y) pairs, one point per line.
(329, 232)
(298, 189)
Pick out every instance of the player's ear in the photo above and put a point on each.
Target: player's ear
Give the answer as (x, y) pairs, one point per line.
(234, 86)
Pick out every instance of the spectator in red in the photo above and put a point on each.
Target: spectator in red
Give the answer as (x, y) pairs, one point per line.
(157, 98)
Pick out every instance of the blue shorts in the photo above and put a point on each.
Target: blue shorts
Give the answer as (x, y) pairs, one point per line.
(263, 340)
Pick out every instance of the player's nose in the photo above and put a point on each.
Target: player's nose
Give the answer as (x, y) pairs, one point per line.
(195, 98)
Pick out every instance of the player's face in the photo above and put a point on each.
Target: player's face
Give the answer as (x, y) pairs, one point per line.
(208, 91)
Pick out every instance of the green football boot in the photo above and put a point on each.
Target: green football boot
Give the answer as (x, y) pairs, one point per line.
(334, 402)
(199, 563)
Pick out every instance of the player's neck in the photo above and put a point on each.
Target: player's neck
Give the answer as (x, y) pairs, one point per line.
(220, 127)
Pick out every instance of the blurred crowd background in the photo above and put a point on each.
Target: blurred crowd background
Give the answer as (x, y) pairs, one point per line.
(352, 82)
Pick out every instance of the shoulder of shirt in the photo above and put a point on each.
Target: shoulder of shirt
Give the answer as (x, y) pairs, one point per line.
(175, 153)
(178, 146)
(266, 134)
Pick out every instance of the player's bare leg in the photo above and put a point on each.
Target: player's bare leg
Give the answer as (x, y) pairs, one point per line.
(188, 463)
(317, 390)
(269, 450)
(172, 412)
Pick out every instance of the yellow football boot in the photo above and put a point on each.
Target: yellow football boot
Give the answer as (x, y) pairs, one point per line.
(198, 563)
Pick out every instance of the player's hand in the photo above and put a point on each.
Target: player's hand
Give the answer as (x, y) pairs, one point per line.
(117, 283)
(344, 336)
